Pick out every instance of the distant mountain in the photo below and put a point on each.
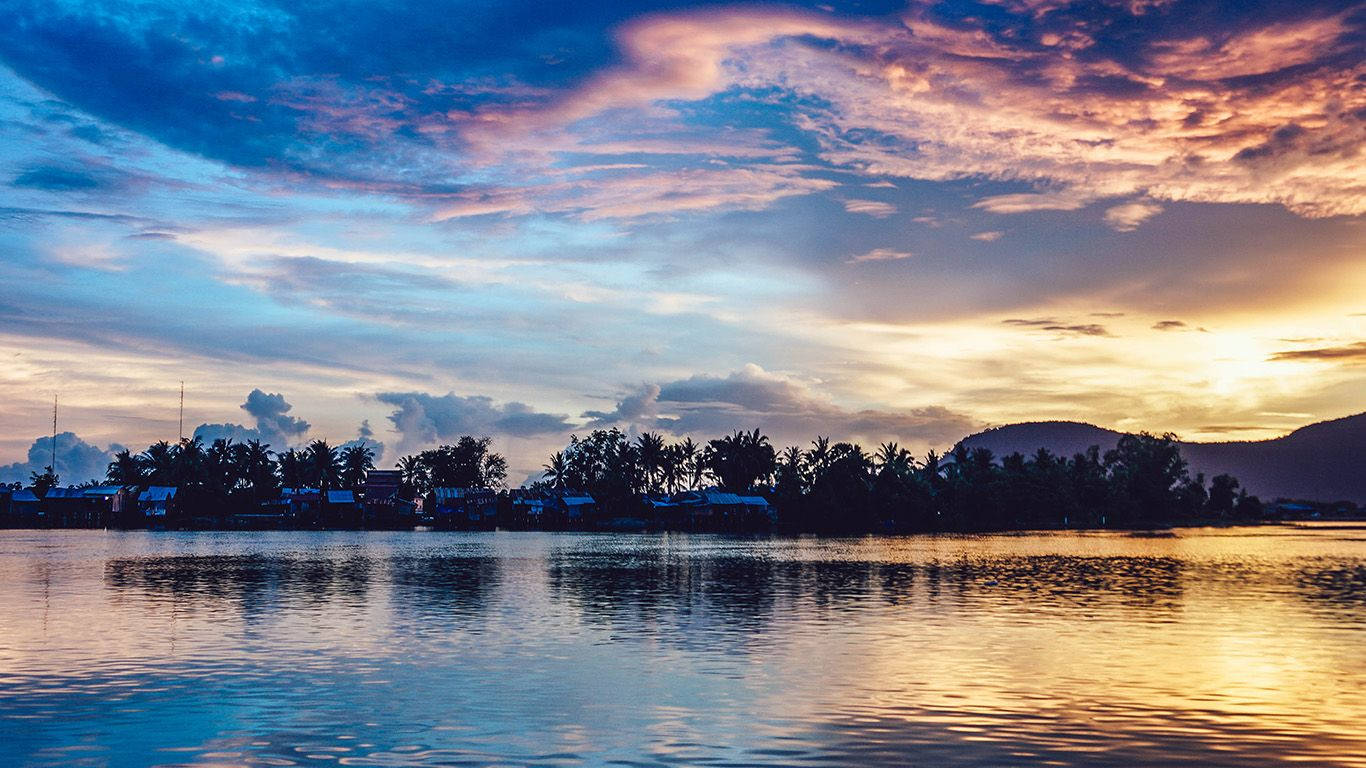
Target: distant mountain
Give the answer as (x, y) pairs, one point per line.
(1325, 461)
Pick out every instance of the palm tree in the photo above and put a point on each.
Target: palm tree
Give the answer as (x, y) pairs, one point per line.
(557, 470)
(413, 472)
(690, 463)
(292, 470)
(742, 460)
(255, 467)
(221, 467)
(819, 455)
(125, 470)
(321, 465)
(650, 454)
(891, 457)
(357, 461)
(189, 462)
(158, 463)
(671, 468)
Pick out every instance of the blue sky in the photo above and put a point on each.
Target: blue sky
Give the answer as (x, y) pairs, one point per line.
(869, 220)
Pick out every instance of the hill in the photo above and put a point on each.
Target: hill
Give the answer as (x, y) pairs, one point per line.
(1325, 461)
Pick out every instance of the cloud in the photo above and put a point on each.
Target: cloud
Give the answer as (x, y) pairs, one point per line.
(423, 419)
(875, 208)
(237, 433)
(270, 411)
(1349, 353)
(881, 254)
(988, 237)
(1169, 325)
(1078, 103)
(1049, 324)
(365, 436)
(789, 410)
(273, 426)
(1127, 217)
(1029, 202)
(77, 460)
(56, 179)
(637, 407)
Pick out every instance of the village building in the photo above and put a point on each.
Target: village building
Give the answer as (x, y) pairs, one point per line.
(93, 507)
(158, 504)
(341, 509)
(460, 508)
(23, 509)
(382, 504)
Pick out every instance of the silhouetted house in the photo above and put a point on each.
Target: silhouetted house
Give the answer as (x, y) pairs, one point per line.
(528, 507)
(269, 515)
(714, 509)
(758, 512)
(23, 509)
(574, 506)
(303, 505)
(157, 504)
(81, 507)
(461, 508)
(341, 510)
(382, 504)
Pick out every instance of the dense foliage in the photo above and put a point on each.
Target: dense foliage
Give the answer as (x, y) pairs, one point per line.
(828, 487)
(840, 487)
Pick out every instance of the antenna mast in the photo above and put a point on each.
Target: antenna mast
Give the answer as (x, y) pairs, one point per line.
(53, 466)
(182, 410)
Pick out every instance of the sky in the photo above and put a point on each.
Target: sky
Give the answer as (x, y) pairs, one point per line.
(404, 222)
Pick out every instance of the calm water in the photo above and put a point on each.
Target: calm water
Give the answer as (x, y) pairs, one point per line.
(1207, 647)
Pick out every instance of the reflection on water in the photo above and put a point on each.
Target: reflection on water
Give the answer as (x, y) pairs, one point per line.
(1208, 647)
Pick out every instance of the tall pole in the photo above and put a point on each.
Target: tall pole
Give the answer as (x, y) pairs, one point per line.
(182, 411)
(52, 467)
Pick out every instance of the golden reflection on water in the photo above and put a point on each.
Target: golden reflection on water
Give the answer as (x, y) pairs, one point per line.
(1237, 646)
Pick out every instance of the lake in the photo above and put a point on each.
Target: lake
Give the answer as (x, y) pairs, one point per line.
(1212, 647)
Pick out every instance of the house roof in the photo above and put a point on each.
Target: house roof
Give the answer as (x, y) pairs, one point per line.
(102, 490)
(341, 497)
(577, 501)
(64, 493)
(25, 495)
(158, 493)
(299, 491)
(459, 493)
(754, 501)
(721, 497)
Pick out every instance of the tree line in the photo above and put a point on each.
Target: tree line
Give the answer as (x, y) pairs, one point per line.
(835, 487)
(841, 487)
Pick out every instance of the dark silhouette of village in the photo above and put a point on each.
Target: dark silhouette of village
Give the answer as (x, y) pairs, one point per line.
(608, 481)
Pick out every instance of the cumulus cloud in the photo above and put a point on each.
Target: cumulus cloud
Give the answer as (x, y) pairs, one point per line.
(423, 419)
(77, 460)
(271, 414)
(1126, 217)
(274, 426)
(640, 406)
(786, 408)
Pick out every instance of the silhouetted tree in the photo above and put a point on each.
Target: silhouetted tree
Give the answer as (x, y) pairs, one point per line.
(1223, 495)
(42, 482)
(356, 461)
(125, 470)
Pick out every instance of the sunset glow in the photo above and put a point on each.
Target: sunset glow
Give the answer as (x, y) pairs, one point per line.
(869, 220)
